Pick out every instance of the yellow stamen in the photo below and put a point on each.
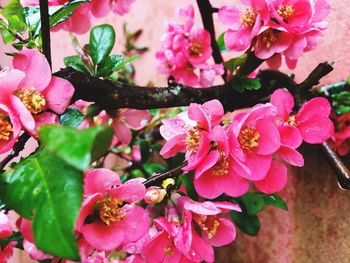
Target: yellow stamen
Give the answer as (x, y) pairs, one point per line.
(110, 210)
(221, 167)
(249, 138)
(5, 129)
(193, 139)
(209, 225)
(248, 18)
(33, 100)
(285, 11)
(196, 49)
(292, 121)
(268, 37)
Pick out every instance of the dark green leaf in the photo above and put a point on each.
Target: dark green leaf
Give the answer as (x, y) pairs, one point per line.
(78, 148)
(109, 65)
(48, 191)
(102, 40)
(71, 118)
(152, 168)
(249, 225)
(65, 12)
(253, 203)
(242, 84)
(145, 149)
(76, 63)
(341, 102)
(221, 42)
(234, 63)
(274, 200)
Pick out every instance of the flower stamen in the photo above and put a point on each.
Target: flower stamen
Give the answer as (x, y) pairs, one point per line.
(110, 210)
(268, 37)
(33, 100)
(248, 18)
(248, 138)
(5, 129)
(209, 225)
(285, 11)
(193, 139)
(196, 49)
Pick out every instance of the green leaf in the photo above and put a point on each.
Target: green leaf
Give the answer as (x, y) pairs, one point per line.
(109, 65)
(77, 148)
(274, 200)
(341, 102)
(234, 63)
(76, 63)
(48, 191)
(145, 148)
(102, 40)
(152, 168)
(242, 84)
(253, 203)
(71, 118)
(7, 37)
(248, 224)
(221, 42)
(65, 12)
(12, 8)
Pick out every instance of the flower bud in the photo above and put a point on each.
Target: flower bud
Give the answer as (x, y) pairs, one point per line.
(167, 182)
(154, 195)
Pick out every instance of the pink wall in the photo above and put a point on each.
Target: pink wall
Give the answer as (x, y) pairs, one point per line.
(317, 225)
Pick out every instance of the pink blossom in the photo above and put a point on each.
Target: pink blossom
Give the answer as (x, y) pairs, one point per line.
(312, 120)
(243, 25)
(209, 73)
(34, 90)
(342, 134)
(127, 119)
(7, 252)
(113, 218)
(258, 138)
(10, 127)
(177, 241)
(189, 132)
(36, 2)
(6, 231)
(216, 230)
(100, 8)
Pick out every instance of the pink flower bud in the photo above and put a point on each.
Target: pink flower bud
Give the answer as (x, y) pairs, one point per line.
(154, 195)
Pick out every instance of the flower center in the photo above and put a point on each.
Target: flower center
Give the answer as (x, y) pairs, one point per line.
(169, 249)
(248, 18)
(221, 166)
(268, 37)
(193, 139)
(248, 138)
(285, 11)
(196, 49)
(33, 100)
(110, 210)
(209, 225)
(5, 129)
(292, 121)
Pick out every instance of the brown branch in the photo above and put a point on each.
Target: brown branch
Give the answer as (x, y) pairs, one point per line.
(17, 148)
(157, 180)
(206, 10)
(45, 29)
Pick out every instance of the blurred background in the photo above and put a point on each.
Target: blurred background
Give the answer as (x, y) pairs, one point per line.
(317, 226)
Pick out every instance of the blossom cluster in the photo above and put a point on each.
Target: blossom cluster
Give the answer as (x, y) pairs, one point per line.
(185, 52)
(27, 100)
(275, 28)
(341, 138)
(226, 155)
(83, 16)
(112, 219)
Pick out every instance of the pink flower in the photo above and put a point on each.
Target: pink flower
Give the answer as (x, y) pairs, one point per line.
(189, 132)
(185, 51)
(34, 90)
(243, 25)
(342, 134)
(109, 217)
(258, 138)
(36, 2)
(217, 172)
(10, 127)
(100, 8)
(129, 119)
(177, 242)
(216, 230)
(5, 231)
(312, 120)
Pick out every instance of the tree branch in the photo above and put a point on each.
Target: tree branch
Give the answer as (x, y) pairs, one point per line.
(157, 180)
(206, 10)
(45, 29)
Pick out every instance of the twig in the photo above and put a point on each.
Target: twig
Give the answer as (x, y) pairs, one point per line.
(17, 148)
(158, 179)
(45, 29)
(206, 10)
(15, 34)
